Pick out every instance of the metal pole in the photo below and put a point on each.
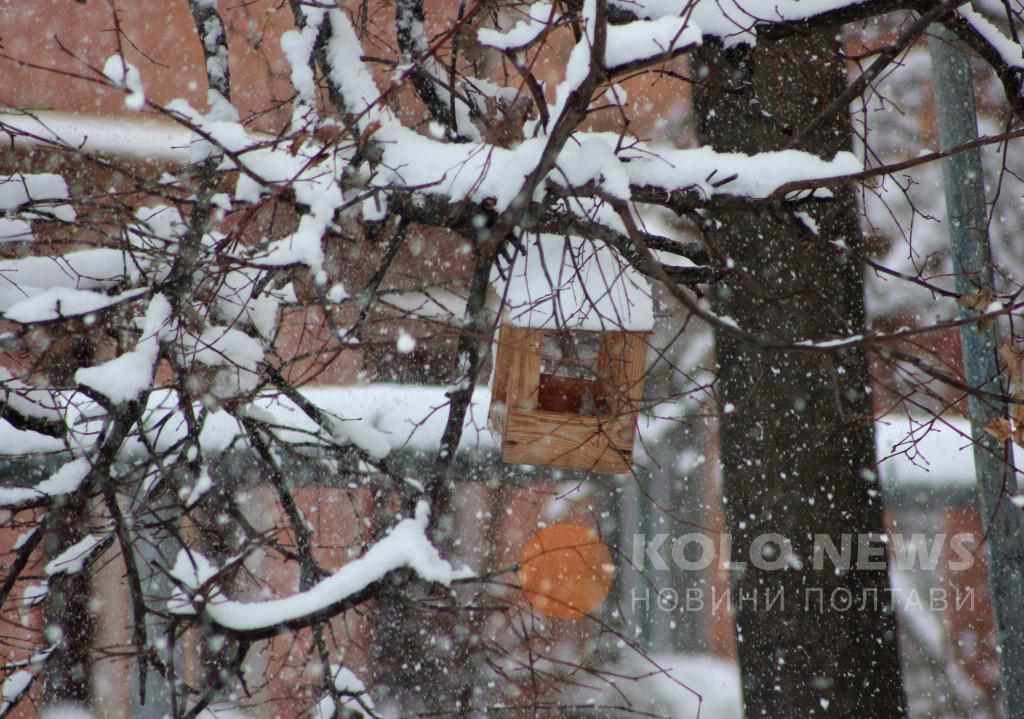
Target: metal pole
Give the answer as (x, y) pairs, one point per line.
(972, 266)
(649, 578)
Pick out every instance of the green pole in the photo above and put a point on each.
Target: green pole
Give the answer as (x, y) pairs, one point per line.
(972, 266)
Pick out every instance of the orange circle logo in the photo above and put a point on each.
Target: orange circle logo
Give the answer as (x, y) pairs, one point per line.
(566, 571)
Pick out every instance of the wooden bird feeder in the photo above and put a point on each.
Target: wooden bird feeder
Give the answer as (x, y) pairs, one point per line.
(571, 358)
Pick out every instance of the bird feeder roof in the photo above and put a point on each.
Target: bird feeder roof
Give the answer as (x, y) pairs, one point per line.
(574, 284)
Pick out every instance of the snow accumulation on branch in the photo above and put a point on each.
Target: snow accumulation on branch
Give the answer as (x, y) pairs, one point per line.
(14, 686)
(377, 418)
(578, 69)
(349, 73)
(126, 76)
(14, 230)
(1011, 53)
(61, 303)
(626, 44)
(381, 418)
(74, 559)
(540, 16)
(64, 481)
(407, 160)
(405, 546)
(213, 37)
(297, 46)
(734, 22)
(478, 172)
(642, 40)
(467, 171)
(125, 377)
(351, 693)
(37, 406)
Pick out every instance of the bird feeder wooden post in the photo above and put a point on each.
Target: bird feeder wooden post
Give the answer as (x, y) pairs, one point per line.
(563, 393)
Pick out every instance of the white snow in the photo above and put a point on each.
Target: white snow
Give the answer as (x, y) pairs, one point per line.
(106, 135)
(470, 170)
(31, 276)
(29, 401)
(192, 570)
(126, 76)
(349, 72)
(392, 417)
(264, 168)
(204, 483)
(406, 343)
(36, 196)
(375, 443)
(435, 304)
(124, 378)
(345, 681)
(477, 172)
(576, 68)
(731, 20)
(72, 560)
(66, 711)
(235, 301)
(405, 546)
(24, 537)
(337, 293)
(14, 230)
(921, 452)
(26, 442)
(297, 46)
(62, 302)
(34, 593)
(236, 354)
(1010, 52)
(223, 710)
(538, 18)
(64, 481)
(808, 221)
(833, 343)
(593, 159)
(755, 175)
(645, 39)
(385, 417)
(734, 21)
(671, 685)
(574, 284)
(13, 687)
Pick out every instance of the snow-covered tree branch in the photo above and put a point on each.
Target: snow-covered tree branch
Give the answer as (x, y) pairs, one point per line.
(256, 252)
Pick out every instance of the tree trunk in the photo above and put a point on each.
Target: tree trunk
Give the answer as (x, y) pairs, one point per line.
(69, 621)
(797, 428)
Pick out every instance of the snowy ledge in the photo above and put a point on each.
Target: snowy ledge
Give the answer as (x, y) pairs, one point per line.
(925, 455)
(911, 453)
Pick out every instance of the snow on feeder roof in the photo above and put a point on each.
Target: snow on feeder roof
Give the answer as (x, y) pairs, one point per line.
(574, 284)
(571, 356)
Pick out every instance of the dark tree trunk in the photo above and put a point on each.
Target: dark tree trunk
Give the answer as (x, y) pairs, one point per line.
(797, 431)
(69, 621)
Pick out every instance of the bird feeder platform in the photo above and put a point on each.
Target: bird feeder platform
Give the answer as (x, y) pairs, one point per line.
(571, 354)
(568, 398)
